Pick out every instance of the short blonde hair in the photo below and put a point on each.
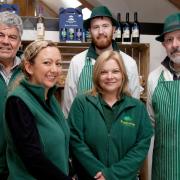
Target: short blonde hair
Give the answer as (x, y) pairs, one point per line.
(104, 57)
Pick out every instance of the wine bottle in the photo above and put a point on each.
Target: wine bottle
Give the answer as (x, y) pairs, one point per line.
(118, 33)
(135, 29)
(40, 25)
(127, 30)
(87, 36)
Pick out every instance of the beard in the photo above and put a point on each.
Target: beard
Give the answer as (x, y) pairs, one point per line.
(102, 41)
(175, 57)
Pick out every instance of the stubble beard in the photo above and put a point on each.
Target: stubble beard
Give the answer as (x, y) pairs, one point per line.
(175, 58)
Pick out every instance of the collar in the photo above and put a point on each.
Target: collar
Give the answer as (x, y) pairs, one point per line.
(92, 51)
(37, 90)
(103, 102)
(125, 101)
(166, 63)
(17, 61)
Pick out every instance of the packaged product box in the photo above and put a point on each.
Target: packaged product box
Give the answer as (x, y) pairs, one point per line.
(70, 25)
(9, 7)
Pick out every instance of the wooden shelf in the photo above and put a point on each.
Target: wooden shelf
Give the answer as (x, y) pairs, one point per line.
(139, 51)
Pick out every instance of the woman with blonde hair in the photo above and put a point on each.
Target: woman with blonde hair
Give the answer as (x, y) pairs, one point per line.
(110, 130)
(37, 132)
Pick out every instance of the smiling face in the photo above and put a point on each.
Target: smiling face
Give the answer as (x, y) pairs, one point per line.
(172, 46)
(109, 75)
(46, 68)
(102, 31)
(9, 43)
(110, 79)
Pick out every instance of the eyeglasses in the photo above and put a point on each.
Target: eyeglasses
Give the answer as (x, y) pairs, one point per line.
(103, 27)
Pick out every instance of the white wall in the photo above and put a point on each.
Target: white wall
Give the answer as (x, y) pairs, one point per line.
(29, 35)
(148, 11)
(157, 51)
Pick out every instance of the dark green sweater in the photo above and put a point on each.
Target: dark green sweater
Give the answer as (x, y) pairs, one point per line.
(117, 150)
(52, 127)
(4, 90)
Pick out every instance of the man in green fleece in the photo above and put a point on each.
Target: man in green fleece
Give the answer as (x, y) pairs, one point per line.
(11, 29)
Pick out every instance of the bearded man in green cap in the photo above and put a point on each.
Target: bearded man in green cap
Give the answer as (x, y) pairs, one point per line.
(164, 106)
(101, 26)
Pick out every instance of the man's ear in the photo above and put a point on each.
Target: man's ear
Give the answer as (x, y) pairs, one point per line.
(28, 67)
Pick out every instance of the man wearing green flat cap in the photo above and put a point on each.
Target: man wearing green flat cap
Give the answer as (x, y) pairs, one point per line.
(163, 104)
(101, 26)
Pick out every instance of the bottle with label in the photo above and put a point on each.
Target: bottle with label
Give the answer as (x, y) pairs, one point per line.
(127, 30)
(135, 29)
(118, 33)
(87, 36)
(63, 33)
(79, 34)
(40, 26)
(71, 32)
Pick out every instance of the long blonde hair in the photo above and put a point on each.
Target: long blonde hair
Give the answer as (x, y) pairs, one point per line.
(104, 57)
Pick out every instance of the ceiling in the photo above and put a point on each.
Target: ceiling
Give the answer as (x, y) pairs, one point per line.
(153, 11)
(176, 3)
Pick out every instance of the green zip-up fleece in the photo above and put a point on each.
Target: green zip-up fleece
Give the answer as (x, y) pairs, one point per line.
(52, 126)
(119, 152)
(3, 95)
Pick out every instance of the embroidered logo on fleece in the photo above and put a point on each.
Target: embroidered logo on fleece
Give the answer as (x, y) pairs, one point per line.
(127, 121)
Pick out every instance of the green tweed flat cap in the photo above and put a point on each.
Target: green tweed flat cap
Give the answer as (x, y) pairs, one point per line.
(99, 12)
(171, 23)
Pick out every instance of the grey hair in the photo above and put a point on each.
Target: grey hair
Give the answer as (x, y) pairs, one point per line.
(12, 19)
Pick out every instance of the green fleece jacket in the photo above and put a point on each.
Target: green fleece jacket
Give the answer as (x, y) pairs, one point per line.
(52, 127)
(119, 152)
(3, 95)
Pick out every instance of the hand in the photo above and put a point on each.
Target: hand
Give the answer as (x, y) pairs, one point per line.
(99, 176)
(75, 177)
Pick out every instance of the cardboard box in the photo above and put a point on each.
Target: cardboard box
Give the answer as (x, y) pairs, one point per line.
(70, 25)
(9, 7)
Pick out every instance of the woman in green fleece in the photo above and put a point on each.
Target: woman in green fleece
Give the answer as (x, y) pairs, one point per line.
(110, 131)
(36, 130)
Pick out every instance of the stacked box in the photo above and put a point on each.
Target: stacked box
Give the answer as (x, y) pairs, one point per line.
(9, 7)
(70, 24)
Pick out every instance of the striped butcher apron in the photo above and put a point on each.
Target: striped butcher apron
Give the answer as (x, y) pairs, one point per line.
(85, 79)
(166, 155)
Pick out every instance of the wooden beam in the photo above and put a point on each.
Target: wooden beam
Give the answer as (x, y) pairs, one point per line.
(176, 3)
(86, 4)
(26, 8)
(50, 11)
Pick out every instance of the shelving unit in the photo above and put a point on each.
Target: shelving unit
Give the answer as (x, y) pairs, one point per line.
(140, 52)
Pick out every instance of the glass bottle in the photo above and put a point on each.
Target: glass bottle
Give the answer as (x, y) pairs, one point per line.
(135, 29)
(127, 30)
(40, 25)
(118, 33)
